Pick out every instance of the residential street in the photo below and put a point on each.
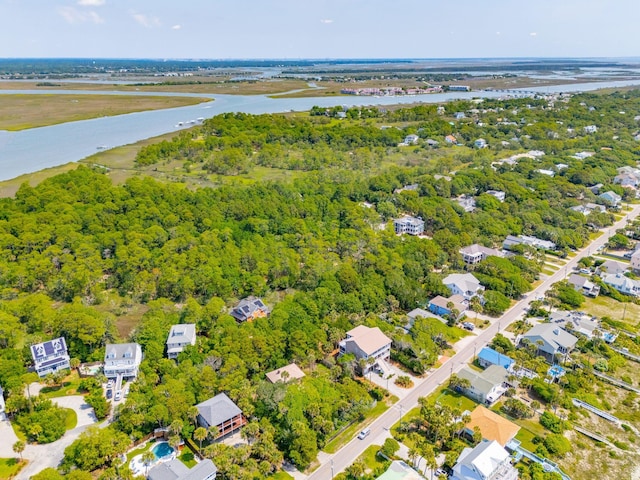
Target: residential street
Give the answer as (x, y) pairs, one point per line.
(333, 464)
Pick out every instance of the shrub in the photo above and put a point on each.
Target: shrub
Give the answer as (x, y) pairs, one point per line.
(557, 444)
(404, 381)
(552, 422)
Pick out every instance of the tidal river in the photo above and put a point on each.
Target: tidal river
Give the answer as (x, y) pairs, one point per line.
(31, 150)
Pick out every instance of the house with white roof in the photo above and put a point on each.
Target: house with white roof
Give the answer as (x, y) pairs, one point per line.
(365, 343)
(467, 203)
(622, 284)
(222, 413)
(51, 356)
(590, 129)
(476, 253)
(410, 225)
(176, 470)
(612, 267)
(535, 242)
(500, 195)
(179, 337)
(550, 340)
(486, 461)
(464, 284)
(122, 359)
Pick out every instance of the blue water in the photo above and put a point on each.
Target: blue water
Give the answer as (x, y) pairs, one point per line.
(31, 150)
(556, 371)
(162, 450)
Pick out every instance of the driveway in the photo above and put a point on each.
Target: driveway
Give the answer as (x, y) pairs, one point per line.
(8, 437)
(51, 454)
(82, 409)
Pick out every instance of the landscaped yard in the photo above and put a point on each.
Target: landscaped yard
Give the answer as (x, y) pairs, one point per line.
(9, 467)
(371, 460)
(282, 476)
(69, 387)
(454, 400)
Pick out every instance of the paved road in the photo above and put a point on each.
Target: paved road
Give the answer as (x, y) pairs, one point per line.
(337, 462)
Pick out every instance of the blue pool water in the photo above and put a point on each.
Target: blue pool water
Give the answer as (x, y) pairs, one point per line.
(162, 450)
(556, 371)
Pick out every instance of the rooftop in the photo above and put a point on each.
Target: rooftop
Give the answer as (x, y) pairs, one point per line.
(218, 409)
(369, 340)
(492, 426)
(285, 374)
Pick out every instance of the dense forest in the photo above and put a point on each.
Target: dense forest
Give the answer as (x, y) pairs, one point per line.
(77, 251)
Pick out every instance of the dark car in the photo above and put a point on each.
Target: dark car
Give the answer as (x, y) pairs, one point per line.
(109, 394)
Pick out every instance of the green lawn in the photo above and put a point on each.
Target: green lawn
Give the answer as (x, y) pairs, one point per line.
(9, 467)
(526, 439)
(69, 387)
(187, 458)
(371, 460)
(454, 400)
(139, 450)
(348, 433)
(71, 419)
(282, 476)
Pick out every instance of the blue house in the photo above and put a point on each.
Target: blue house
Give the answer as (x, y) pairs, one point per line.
(443, 306)
(488, 356)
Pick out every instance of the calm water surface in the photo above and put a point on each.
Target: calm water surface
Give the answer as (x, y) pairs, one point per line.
(31, 150)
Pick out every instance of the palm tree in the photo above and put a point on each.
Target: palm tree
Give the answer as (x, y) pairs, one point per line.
(200, 434)
(193, 413)
(19, 447)
(176, 427)
(147, 459)
(213, 432)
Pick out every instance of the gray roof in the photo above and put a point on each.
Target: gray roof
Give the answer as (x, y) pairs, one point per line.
(218, 409)
(485, 380)
(184, 332)
(119, 351)
(553, 335)
(614, 267)
(247, 307)
(176, 470)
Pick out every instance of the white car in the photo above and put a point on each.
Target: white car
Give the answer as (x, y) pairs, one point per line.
(118, 396)
(110, 384)
(364, 433)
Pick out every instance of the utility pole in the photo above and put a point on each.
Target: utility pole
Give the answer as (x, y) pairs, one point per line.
(332, 469)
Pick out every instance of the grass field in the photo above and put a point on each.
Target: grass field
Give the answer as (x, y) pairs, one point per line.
(20, 112)
(348, 433)
(602, 306)
(71, 420)
(9, 467)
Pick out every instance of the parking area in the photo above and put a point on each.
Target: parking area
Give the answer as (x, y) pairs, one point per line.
(83, 410)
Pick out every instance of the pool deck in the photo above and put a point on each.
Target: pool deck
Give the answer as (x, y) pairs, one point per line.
(137, 466)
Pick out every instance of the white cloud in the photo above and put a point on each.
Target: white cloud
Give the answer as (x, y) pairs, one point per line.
(147, 21)
(91, 3)
(497, 33)
(533, 34)
(72, 15)
(326, 21)
(176, 27)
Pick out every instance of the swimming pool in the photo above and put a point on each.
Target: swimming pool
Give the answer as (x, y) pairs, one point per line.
(162, 449)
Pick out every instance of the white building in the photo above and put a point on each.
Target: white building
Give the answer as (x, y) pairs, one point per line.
(635, 260)
(411, 139)
(623, 284)
(365, 343)
(410, 225)
(498, 194)
(476, 253)
(590, 129)
(51, 356)
(179, 337)
(480, 143)
(122, 359)
(464, 284)
(486, 461)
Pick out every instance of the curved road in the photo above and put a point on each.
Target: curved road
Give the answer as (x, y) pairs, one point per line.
(333, 464)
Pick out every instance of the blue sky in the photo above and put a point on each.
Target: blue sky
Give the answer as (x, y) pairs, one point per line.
(318, 28)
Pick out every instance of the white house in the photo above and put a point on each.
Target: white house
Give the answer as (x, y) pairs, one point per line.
(50, 356)
(622, 284)
(550, 340)
(486, 461)
(635, 260)
(476, 253)
(584, 285)
(179, 337)
(480, 143)
(486, 386)
(411, 139)
(122, 359)
(464, 284)
(590, 129)
(367, 343)
(410, 225)
(500, 195)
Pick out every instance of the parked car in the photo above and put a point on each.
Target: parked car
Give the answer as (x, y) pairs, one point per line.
(439, 472)
(126, 391)
(109, 394)
(364, 433)
(468, 326)
(585, 270)
(118, 396)
(110, 383)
